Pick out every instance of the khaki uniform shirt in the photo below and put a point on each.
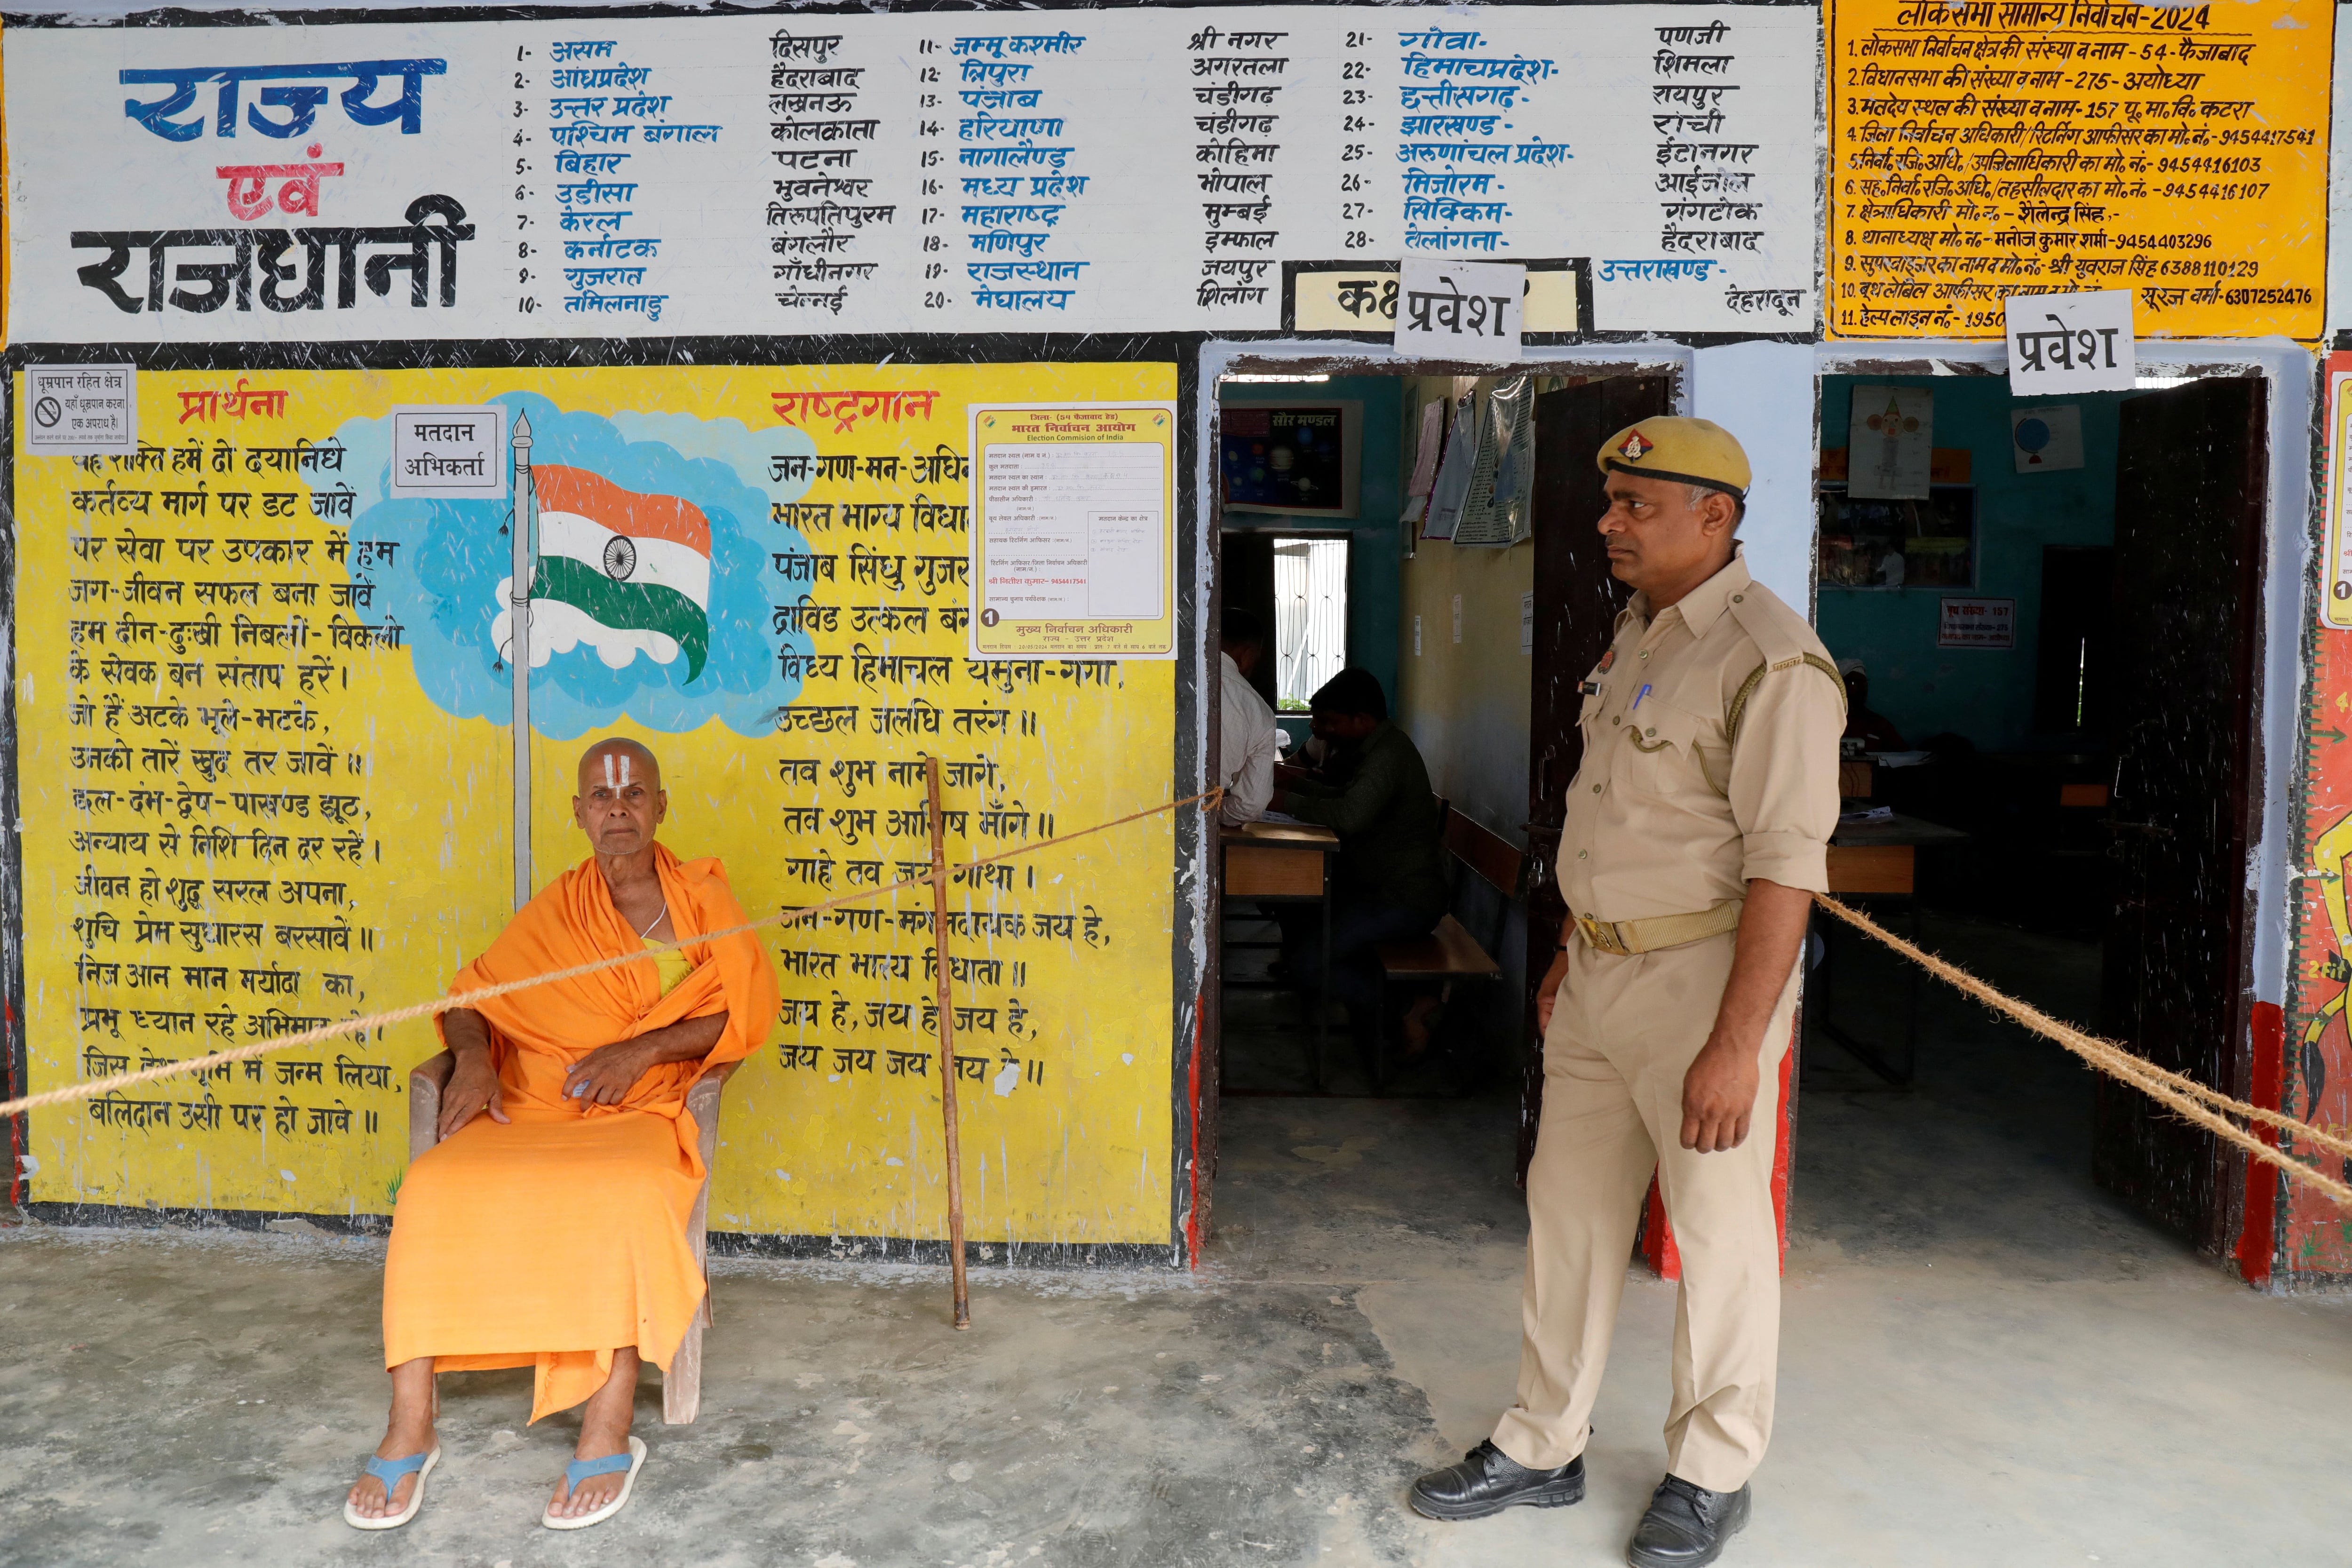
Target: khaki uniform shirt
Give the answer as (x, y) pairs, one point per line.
(1710, 756)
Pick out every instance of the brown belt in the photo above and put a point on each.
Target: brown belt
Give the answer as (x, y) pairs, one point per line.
(1626, 938)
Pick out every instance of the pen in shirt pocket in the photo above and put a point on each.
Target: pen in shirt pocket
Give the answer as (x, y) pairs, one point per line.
(1637, 699)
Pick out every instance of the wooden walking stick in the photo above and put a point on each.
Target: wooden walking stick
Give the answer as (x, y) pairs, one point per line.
(947, 1046)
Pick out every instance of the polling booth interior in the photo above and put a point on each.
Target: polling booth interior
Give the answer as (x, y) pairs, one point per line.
(2052, 630)
(1464, 488)
(1480, 578)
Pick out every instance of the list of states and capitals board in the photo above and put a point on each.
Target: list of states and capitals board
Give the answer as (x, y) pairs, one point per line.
(1081, 171)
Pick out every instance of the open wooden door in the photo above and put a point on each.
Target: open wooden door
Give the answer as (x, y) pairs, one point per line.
(2189, 488)
(1577, 602)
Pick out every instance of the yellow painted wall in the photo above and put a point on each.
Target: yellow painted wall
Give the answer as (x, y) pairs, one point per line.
(340, 810)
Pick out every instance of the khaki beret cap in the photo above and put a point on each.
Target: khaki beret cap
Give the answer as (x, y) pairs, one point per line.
(1687, 451)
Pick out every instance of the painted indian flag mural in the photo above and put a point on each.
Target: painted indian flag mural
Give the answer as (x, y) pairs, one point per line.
(623, 572)
(652, 597)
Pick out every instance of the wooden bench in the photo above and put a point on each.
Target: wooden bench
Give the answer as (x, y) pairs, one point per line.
(1450, 953)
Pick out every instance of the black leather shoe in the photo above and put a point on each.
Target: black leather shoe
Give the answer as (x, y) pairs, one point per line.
(1488, 1480)
(1686, 1525)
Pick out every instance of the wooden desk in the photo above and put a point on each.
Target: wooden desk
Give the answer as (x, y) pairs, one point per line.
(1282, 863)
(1879, 856)
(1876, 859)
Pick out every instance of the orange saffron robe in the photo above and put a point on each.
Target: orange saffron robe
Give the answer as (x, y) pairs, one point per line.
(553, 1239)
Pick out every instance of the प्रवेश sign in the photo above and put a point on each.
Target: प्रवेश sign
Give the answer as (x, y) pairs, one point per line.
(2071, 342)
(449, 453)
(1459, 309)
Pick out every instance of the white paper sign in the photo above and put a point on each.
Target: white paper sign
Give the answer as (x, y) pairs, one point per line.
(1459, 309)
(449, 452)
(2071, 342)
(2044, 436)
(81, 408)
(1978, 623)
(1890, 442)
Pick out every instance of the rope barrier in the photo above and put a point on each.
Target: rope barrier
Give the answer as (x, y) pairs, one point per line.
(1206, 799)
(2185, 1097)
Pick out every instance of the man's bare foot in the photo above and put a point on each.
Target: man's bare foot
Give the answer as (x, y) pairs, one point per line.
(408, 1430)
(603, 1431)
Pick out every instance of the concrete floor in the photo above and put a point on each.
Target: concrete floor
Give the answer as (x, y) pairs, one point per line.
(1985, 1361)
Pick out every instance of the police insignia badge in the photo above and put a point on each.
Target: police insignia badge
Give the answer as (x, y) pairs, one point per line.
(1635, 447)
(1609, 657)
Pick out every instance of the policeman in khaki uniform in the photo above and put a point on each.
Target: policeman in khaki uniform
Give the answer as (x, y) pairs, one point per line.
(1697, 833)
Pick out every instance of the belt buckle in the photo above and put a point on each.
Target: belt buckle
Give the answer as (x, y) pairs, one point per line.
(1603, 935)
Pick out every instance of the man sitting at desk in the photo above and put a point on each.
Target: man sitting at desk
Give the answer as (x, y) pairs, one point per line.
(1245, 729)
(1373, 792)
(1875, 731)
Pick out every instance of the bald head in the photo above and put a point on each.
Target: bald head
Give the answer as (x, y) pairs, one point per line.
(621, 800)
(619, 761)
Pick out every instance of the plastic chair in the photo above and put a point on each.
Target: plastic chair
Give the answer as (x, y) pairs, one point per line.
(682, 1384)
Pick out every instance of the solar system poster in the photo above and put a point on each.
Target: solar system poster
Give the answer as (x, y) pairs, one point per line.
(1298, 459)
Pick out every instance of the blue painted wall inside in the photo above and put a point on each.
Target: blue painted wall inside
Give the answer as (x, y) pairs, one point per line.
(1984, 695)
(1375, 545)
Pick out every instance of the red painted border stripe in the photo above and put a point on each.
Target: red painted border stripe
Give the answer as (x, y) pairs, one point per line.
(1192, 1088)
(2257, 1232)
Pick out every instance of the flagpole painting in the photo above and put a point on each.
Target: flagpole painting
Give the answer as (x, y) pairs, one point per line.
(526, 503)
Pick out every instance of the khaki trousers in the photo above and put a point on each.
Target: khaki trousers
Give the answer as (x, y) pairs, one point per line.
(1624, 1032)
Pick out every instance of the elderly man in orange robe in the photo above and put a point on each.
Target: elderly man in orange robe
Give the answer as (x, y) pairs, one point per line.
(548, 1227)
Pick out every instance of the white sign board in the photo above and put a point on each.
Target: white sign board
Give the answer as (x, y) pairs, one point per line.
(455, 452)
(72, 408)
(2069, 343)
(1978, 623)
(1459, 309)
(1146, 168)
(1890, 442)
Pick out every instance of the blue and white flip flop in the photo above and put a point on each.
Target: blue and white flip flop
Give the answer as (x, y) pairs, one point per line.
(390, 1471)
(578, 1471)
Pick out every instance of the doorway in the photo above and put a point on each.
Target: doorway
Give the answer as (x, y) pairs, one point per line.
(1445, 619)
(2053, 637)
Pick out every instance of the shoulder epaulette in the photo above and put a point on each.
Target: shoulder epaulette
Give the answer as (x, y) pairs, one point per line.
(1782, 637)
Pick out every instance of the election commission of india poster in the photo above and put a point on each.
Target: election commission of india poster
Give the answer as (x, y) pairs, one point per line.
(1074, 531)
(1991, 149)
(271, 699)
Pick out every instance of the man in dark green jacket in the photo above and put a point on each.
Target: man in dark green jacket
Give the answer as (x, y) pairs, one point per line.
(1373, 792)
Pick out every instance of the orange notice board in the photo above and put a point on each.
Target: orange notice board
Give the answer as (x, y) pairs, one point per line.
(2007, 147)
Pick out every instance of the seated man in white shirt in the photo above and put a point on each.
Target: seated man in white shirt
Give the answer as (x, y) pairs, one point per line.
(1245, 740)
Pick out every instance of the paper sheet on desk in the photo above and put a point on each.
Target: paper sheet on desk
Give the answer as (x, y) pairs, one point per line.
(1900, 759)
(1281, 819)
(1867, 814)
